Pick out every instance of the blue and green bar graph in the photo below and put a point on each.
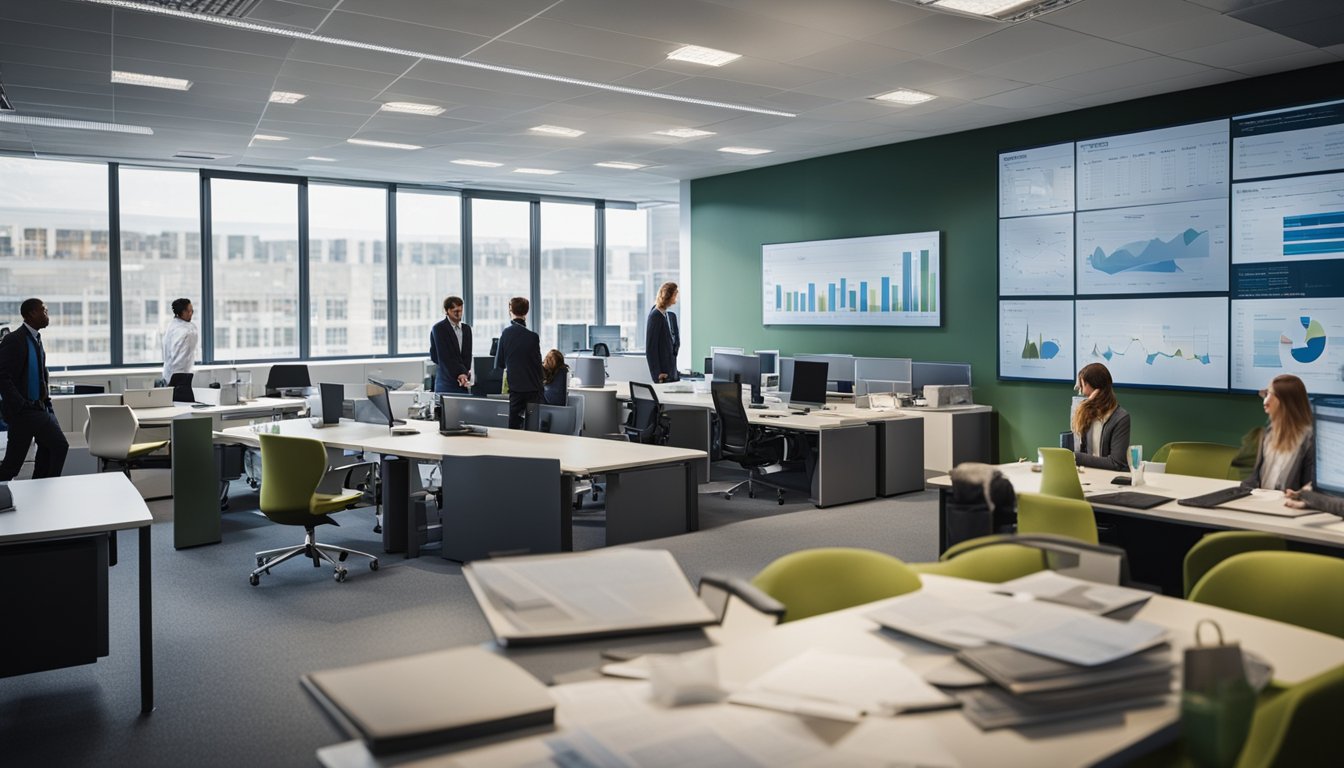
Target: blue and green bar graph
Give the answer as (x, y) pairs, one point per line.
(914, 290)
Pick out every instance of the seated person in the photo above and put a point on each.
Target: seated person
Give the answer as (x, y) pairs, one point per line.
(1287, 459)
(554, 379)
(1100, 426)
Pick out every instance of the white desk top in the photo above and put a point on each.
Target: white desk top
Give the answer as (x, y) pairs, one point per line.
(833, 416)
(577, 455)
(1294, 652)
(261, 406)
(70, 506)
(1318, 527)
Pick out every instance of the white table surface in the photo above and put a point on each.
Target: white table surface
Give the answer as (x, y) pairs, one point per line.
(70, 506)
(577, 455)
(260, 407)
(833, 416)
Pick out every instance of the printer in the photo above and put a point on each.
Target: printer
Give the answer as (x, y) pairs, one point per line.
(942, 395)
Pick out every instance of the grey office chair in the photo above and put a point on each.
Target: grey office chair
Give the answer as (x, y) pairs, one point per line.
(647, 423)
(110, 434)
(600, 349)
(557, 419)
(575, 401)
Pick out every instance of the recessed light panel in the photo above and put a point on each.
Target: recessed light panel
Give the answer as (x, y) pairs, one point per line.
(382, 144)
(906, 96)
(619, 165)
(80, 125)
(557, 130)
(745, 150)
(150, 81)
(536, 171)
(287, 97)
(710, 57)
(476, 163)
(684, 133)
(411, 108)
(268, 137)
(322, 159)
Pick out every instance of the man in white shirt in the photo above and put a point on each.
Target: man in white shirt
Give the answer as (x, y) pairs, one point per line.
(179, 351)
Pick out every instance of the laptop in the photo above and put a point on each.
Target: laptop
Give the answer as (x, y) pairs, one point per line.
(159, 397)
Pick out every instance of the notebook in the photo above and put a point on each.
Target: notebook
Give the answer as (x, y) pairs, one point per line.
(1132, 499)
(431, 698)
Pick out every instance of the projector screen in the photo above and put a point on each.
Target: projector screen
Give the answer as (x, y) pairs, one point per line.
(1206, 256)
(887, 280)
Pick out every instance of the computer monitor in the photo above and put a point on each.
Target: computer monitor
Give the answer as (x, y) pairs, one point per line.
(489, 379)
(769, 360)
(839, 370)
(286, 378)
(494, 346)
(922, 374)
(333, 402)
(605, 334)
(592, 371)
(785, 374)
(744, 369)
(456, 410)
(377, 391)
(709, 366)
(809, 384)
(571, 337)
(1328, 432)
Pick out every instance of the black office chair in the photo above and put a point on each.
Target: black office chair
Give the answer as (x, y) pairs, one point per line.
(751, 447)
(284, 376)
(647, 422)
(600, 349)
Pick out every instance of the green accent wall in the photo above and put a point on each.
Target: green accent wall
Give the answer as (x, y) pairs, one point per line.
(949, 183)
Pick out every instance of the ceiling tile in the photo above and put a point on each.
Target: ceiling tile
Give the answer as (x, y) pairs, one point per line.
(1109, 20)
(1008, 44)
(353, 58)
(188, 32)
(1266, 45)
(288, 14)
(852, 57)
(553, 62)
(400, 34)
(1185, 35)
(55, 38)
(584, 41)
(1122, 75)
(1083, 57)
(59, 13)
(933, 33)
(1309, 58)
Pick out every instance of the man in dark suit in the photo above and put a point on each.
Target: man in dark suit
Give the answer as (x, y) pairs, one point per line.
(24, 399)
(519, 355)
(662, 337)
(450, 349)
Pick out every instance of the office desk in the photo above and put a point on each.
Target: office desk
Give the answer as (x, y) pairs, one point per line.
(259, 408)
(1295, 653)
(631, 469)
(1158, 538)
(954, 434)
(58, 508)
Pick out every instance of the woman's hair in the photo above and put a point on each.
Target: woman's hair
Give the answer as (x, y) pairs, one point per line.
(1102, 401)
(1293, 417)
(666, 292)
(555, 360)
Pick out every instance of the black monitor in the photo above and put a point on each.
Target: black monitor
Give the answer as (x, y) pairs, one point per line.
(744, 369)
(1328, 432)
(288, 377)
(809, 384)
(494, 346)
(922, 374)
(333, 402)
(489, 379)
(605, 334)
(709, 366)
(378, 391)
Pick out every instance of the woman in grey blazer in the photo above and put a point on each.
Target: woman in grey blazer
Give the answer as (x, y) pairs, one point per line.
(1100, 425)
(1287, 458)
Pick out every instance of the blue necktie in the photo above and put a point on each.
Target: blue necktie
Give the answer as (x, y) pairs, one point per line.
(34, 369)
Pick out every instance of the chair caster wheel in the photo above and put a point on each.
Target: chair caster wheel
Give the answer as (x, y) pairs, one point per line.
(377, 529)
(751, 494)
(254, 579)
(373, 564)
(340, 575)
(780, 501)
(342, 556)
(727, 495)
(261, 561)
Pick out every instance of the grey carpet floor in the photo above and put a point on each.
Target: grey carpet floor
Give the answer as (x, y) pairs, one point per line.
(228, 656)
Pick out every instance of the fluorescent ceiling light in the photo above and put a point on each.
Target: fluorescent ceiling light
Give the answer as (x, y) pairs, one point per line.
(557, 130)
(322, 159)
(998, 10)
(684, 133)
(411, 108)
(476, 163)
(268, 137)
(906, 96)
(384, 144)
(295, 34)
(710, 57)
(536, 171)
(745, 150)
(287, 97)
(620, 165)
(81, 125)
(151, 81)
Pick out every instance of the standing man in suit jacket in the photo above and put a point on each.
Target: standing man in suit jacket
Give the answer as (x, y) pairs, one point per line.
(519, 354)
(24, 398)
(662, 339)
(450, 349)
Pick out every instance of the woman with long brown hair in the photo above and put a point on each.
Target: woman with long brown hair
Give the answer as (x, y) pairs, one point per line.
(662, 339)
(1287, 459)
(1100, 425)
(554, 378)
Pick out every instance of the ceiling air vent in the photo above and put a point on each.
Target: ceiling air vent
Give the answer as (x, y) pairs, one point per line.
(235, 9)
(266, 167)
(193, 155)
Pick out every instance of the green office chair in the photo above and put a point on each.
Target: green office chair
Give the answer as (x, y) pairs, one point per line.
(815, 581)
(291, 470)
(1293, 587)
(1297, 727)
(989, 558)
(1214, 548)
(1200, 459)
(1040, 513)
(1059, 473)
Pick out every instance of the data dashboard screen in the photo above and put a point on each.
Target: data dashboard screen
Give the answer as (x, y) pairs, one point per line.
(1036, 181)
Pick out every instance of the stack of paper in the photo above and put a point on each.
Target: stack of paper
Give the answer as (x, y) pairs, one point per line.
(1076, 593)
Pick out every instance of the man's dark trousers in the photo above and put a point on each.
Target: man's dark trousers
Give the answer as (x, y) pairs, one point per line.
(518, 402)
(28, 424)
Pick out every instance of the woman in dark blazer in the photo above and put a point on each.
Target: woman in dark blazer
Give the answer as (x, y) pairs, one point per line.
(554, 379)
(1100, 426)
(1287, 458)
(662, 338)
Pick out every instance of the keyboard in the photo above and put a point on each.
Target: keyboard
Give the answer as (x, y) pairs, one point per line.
(1131, 499)
(1210, 500)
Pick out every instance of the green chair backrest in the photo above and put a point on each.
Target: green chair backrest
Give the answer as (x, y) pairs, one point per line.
(995, 563)
(291, 468)
(814, 581)
(1059, 473)
(1297, 727)
(1293, 587)
(1201, 459)
(1041, 513)
(1214, 548)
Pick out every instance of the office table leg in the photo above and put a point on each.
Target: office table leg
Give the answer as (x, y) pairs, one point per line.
(942, 520)
(146, 627)
(650, 503)
(693, 495)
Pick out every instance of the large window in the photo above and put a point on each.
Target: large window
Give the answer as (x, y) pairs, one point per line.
(160, 255)
(54, 246)
(255, 268)
(642, 254)
(568, 259)
(347, 269)
(429, 265)
(500, 263)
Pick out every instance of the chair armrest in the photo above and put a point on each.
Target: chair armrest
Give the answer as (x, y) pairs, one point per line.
(1101, 563)
(723, 587)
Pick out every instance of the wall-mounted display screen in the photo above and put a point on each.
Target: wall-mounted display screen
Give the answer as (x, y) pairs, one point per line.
(1156, 342)
(1036, 181)
(1036, 340)
(1036, 255)
(888, 280)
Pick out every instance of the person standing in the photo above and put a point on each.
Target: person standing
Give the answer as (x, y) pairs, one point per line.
(180, 340)
(519, 354)
(24, 399)
(450, 349)
(662, 337)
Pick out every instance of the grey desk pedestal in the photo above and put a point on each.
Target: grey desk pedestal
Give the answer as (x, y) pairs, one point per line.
(689, 427)
(652, 503)
(846, 467)
(900, 456)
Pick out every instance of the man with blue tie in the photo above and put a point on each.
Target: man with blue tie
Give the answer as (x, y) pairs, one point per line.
(24, 399)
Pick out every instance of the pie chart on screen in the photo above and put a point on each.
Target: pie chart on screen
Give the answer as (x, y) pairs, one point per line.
(1314, 343)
